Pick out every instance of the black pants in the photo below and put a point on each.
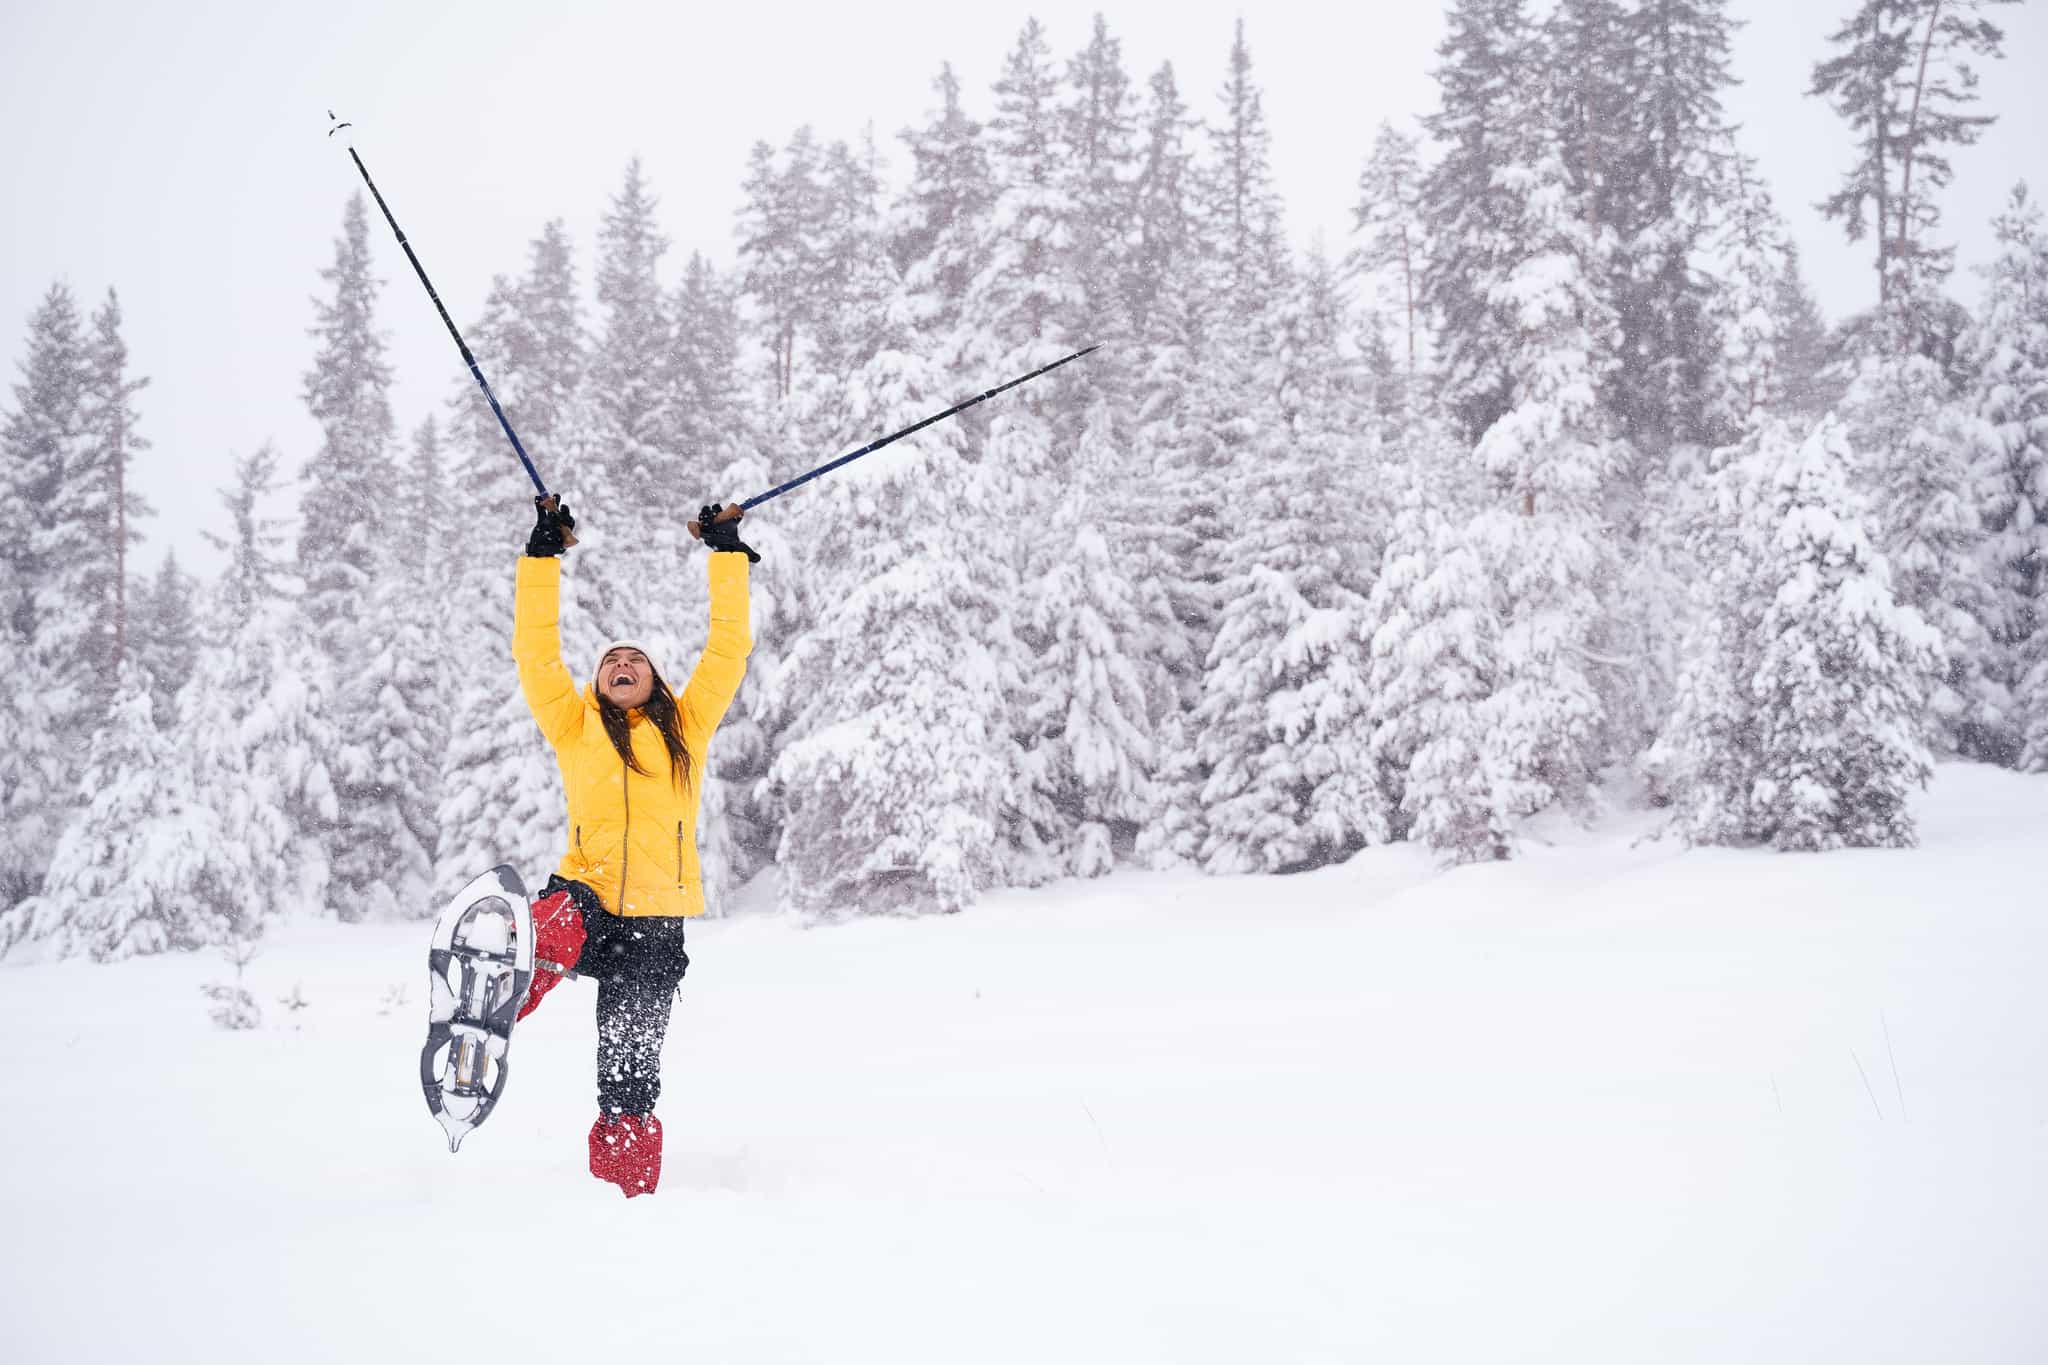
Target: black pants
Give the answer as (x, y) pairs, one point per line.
(638, 962)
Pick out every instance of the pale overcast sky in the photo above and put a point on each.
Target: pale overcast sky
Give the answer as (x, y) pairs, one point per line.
(178, 153)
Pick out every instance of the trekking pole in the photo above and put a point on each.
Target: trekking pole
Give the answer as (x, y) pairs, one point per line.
(736, 510)
(439, 307)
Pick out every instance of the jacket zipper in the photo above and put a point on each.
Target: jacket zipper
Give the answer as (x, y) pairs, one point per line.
(679, 855)
(625, 843)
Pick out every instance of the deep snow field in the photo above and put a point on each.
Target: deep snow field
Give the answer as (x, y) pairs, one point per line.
(1612, 1102)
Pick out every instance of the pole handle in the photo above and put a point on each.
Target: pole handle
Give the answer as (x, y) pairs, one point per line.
(732, 511)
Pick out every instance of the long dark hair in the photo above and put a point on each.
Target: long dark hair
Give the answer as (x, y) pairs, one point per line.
(660, 708)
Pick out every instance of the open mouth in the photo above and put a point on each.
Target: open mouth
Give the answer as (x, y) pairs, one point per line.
(622, 680)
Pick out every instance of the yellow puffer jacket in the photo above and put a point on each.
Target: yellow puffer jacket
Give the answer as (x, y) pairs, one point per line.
(633, 836)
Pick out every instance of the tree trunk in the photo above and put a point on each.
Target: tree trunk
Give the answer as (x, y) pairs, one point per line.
(120, 448)
(1589, 127)
(1880, 125)
(1408, 285)
(1913, 131)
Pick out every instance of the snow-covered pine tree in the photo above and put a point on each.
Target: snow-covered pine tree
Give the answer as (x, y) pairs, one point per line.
(112, 441)
(1592, 70)
(844, 282)
(1166, 237)
(815, 276)
(936, 222)
(1098, 136)
(1433, 631)
(711, 419)
(81, 533)
(1921, 453)
(254, 720)
(164, 635)
(625, 367)
(1167, 514)
(1841, 664)
(1177, 524)
(40, 445)
(1485, 58)
(1689, 550)
(2007, 352)
(1018, 313)
(1902, 80)
(853, 274)
(1808, 376)
(79, 540)
(1281, 722)
(340, 552)
(412, 719)
(1091, 752)
(500, 794)
(1705, 760)
(1200, 424)
(41, 434)
(1087, 733)
(782, 223)
(1548, 458)
(1097, 121)
(1170, 315)
(1206, 434)
(1395, 248)
(1704, 763)
(1024, 298)
(1236, 199)
(1652, 578)
(779, 230)
(1672, 164)
(538, 347)
(899, 758)
(122, 879)
(1065, 162)
(1754, 258)
(1207, 391)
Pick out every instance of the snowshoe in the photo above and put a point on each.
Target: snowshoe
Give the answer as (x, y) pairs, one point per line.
(479, 966)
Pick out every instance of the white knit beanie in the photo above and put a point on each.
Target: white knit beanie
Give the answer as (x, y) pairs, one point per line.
(597, 667)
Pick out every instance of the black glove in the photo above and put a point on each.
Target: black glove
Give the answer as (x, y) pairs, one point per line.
(723, 535)
(551, 529)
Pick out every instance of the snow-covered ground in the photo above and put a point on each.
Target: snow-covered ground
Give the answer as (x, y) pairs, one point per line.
(1614, 1101)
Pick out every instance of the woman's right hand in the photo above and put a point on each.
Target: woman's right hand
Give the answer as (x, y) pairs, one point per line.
(553, 528)
(718, 526)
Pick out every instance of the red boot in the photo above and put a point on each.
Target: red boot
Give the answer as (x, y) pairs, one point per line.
(557, 939)
(626, 1150)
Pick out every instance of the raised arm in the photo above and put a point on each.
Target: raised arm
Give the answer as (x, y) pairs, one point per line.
(544, 676)
(715, 680)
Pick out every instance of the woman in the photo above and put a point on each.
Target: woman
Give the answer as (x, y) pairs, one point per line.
(632, 756)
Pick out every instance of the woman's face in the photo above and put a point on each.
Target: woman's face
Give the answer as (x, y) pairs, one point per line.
(625, 679)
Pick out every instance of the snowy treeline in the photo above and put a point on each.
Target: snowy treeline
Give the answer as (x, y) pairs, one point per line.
(1553, 469)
